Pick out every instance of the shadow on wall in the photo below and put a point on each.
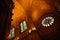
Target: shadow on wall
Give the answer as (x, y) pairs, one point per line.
(5, 12)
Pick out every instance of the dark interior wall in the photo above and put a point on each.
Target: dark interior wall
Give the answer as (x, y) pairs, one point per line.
(5, 16)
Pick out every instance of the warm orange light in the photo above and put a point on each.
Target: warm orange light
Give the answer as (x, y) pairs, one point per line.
(33, 28)
(18, 12)
(30, 31)
(38, 8)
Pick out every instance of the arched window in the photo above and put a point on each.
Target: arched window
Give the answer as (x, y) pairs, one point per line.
(12, 33)
(23, 26)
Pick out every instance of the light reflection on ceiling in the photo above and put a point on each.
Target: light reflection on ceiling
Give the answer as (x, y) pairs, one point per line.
(19, 10)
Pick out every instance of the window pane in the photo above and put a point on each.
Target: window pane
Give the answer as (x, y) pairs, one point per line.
(25, 25)
(21, 26)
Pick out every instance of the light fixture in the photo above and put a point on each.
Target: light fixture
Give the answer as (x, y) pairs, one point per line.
(48, 21)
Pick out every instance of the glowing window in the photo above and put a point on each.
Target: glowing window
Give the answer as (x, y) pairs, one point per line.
(12, 33)
(23, 26)
(48, 21)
